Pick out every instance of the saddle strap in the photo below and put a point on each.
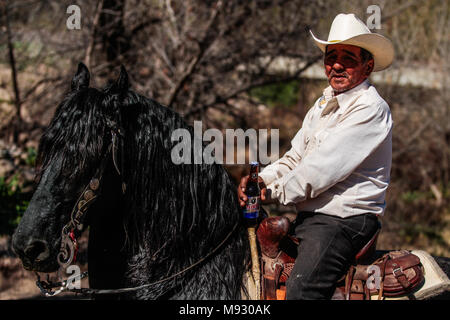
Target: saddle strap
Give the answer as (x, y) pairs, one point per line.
(272, 270)
(400, 276)
(349, 281)
(355, 288)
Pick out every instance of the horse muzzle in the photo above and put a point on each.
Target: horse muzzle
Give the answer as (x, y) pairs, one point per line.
(34, 253)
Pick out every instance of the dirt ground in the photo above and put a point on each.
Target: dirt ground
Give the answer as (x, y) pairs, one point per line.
(16, 283)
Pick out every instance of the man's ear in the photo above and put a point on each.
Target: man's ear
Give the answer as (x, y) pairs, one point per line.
(369, 66)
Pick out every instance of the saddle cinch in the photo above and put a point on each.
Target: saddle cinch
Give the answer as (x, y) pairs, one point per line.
(373, 275)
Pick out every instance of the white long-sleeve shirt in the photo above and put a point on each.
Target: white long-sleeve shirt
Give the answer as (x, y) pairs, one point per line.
(340, 160)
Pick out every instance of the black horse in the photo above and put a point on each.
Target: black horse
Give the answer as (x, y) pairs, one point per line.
(152, 218)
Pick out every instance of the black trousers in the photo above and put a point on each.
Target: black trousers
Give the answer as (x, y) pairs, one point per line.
(328, 245)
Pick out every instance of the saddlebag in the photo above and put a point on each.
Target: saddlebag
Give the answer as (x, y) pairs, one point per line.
(395, 274)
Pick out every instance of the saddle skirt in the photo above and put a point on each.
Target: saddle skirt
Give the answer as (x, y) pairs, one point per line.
(403, 274)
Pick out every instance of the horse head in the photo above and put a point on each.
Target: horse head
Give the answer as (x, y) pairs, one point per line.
(71, 152)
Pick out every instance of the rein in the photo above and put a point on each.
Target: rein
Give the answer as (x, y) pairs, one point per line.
(71, 231)
(46, 287)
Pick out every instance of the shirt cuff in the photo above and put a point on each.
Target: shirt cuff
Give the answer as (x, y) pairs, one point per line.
(268, 176)
(274, 191)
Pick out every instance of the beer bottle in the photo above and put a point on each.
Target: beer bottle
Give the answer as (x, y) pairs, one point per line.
(252, 191)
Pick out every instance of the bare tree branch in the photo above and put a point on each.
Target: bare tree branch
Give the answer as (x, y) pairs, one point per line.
(87, 57)
(247, 88)
(12, 63)
(399, 9)
(203, 47)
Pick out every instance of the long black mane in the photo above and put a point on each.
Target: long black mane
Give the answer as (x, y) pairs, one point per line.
(176, 213)
(72, 138)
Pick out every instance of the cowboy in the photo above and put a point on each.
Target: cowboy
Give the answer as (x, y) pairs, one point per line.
(337, 170)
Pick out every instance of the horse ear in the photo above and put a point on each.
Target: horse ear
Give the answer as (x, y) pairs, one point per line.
(81, 78)
(122, 84)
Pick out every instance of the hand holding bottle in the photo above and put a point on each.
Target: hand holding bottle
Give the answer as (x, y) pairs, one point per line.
(252, 186)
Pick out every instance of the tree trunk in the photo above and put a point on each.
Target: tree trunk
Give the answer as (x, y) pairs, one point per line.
(17, 121)
(114, 41)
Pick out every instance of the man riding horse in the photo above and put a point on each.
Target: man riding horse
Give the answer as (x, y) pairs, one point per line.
(337, 170)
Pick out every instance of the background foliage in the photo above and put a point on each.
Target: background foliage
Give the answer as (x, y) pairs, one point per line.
(233, 64)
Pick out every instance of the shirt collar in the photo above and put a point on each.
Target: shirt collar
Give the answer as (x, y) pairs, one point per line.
(346, 98)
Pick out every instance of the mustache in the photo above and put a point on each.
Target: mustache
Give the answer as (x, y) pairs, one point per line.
(339, 74)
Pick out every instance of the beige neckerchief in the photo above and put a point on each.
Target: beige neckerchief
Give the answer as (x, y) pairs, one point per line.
(345, 97)
(332, 106)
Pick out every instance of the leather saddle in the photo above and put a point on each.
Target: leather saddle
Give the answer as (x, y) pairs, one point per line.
(279, 251)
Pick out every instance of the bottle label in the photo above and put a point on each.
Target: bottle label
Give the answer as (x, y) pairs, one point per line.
(251, 210)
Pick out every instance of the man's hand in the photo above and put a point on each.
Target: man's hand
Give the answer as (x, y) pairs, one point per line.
(243, 185)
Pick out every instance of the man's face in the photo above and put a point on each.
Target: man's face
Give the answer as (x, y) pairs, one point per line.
(344, 67)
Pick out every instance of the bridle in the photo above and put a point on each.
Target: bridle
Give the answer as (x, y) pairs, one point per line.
(71, 231)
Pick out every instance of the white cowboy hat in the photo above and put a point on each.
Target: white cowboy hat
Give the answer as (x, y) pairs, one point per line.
(348, 29)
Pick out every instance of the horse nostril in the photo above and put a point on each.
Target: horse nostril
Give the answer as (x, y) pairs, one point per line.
(37, 251)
